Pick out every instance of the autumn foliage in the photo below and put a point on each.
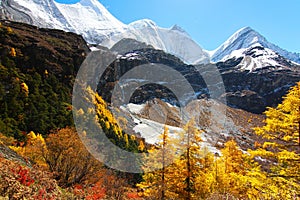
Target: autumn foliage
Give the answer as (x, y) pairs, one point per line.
(71, 166)
(271, 171)
(281, 130)
(22, 182)
(186, 169)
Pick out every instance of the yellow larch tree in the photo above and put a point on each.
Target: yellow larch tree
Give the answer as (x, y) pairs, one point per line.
(13, 52)
(187, 167)
(282, 148)
(33, 150)
(185, 178)
(205, 181)
(25, 89)
(155, 184)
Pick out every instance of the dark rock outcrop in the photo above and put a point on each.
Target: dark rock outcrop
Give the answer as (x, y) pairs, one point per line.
(250, 91)
(127, 44)
(9, 154)
(254, 91)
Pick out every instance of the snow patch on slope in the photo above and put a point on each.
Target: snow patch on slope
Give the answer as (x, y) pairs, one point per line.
(91, 19)
(135, 108)
(152, 130)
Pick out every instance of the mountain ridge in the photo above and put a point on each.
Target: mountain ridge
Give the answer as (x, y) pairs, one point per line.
(93, 21)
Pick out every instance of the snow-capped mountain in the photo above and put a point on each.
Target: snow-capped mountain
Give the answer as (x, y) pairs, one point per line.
(173, 40)
(91, 19)
(88, 18)
(257, 57)
(244, 40)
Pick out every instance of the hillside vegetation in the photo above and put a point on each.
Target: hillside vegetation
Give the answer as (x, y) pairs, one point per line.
(37, 72)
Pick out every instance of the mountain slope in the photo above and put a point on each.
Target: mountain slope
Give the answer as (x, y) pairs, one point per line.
(220, 122)
(88, 18)
(252, 92)
(37, 71)
(248, 38)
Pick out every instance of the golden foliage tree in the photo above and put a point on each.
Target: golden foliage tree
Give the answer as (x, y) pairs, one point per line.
(282, 148)
(69, 159)
(189, 161)
(282, 122)
(25, 89)
(9, 30)
(177, 180)
(155, 183)
(34, 149)
(13, 52)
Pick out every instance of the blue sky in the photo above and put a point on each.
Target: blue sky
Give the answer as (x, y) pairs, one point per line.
(211, 22)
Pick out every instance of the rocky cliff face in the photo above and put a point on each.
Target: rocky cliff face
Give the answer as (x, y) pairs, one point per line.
(252, 91)
(9, 154)
(152, 59)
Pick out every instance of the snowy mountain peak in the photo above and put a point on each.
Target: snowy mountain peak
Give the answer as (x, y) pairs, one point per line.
(88, 18)
(248, 38)
(243, 38)
(143, 23)
(179, 29)
(173, 41)
(96, 6)
(90, 2)
(244, 30)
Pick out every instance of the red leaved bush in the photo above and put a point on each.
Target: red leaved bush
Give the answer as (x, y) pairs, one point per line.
(96, 192)
(24, 177)
(133, 195)
(22, 182)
